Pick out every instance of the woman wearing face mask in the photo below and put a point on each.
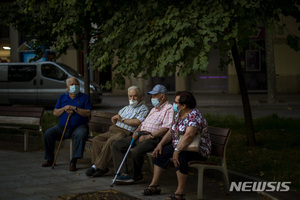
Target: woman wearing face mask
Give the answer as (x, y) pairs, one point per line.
(188, 121)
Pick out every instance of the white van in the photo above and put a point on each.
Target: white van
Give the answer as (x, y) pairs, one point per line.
(39, 83)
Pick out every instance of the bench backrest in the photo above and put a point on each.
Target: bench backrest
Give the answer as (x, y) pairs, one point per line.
(21, 115)
(219, 138)
(100, 121)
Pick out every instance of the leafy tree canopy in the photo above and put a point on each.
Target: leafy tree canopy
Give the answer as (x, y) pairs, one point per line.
(151, 37)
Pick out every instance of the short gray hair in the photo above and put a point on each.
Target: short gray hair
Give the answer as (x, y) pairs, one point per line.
(136, 88)
(67, 80)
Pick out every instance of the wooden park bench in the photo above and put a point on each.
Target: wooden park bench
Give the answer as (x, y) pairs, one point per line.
(219, 138)
(26, 119)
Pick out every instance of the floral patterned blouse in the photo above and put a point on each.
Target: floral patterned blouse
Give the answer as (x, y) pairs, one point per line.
(194, 118)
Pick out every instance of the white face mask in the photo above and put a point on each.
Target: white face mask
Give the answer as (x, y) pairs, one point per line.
(74, 89)
(133, 102)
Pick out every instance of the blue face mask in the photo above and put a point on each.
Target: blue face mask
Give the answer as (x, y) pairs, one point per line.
(175, 108)
(155, 102)
(74, 89)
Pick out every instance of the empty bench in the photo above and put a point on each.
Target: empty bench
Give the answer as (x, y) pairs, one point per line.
(25, 119)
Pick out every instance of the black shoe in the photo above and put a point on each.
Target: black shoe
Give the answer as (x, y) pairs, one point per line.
(90, 171)
(73, 167)
(138, 179)
(100, 172)
(48, 163)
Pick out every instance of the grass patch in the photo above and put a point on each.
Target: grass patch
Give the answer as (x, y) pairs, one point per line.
(277, 154)
(48, 120)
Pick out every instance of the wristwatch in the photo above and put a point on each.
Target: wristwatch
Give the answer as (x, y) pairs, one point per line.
(75, 109)
(176, 149)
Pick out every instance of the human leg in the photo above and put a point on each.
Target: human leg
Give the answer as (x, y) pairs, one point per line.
(119, 149)
(103, 159)
(98, 143)
(181, 178)
(160, 164)
(80, 135)
(182, 172)
(153, 187)
(138, 153)
(50, 136)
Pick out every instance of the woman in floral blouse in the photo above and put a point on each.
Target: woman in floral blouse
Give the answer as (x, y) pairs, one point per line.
(187, 122)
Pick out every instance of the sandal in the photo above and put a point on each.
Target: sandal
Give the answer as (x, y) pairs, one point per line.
(149, 191)
(176, 197)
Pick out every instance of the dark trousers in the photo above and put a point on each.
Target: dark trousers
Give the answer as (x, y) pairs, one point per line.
(184, 158)
(79, 134)
(137, 152)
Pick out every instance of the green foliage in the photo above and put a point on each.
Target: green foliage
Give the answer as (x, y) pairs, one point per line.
(151, 37)
(276, 158)
(155, 37)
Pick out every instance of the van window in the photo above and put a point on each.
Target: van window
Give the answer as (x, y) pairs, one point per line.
(21, 73)
(53, 72)
(70, 70)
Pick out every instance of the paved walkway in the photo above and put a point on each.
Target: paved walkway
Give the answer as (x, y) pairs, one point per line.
(22, 178)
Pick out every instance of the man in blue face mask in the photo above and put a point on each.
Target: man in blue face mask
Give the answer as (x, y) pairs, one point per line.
(78, 105)
(146, 136)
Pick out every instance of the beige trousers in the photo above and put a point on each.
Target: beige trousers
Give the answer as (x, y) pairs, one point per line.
(101, 155)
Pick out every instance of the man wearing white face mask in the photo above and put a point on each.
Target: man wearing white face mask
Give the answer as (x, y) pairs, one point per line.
(153, 128)
(125, 122)
(79, 106)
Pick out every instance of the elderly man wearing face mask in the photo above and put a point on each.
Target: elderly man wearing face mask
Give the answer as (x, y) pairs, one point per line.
(153, 128)
(79, 107)
(125, 122)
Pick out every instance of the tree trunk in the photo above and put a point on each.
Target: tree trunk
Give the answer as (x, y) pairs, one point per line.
(245, 99)
(85, 64)
(271, 73)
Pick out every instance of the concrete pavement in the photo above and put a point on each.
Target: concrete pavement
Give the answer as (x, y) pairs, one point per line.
(22, 178)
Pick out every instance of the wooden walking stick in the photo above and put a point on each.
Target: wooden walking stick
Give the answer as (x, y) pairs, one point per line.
(62, 136)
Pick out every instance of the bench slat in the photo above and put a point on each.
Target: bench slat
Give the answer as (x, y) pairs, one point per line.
(102, 114)
(22, 114)
(20, 120)
(101, 120)
(21, 108)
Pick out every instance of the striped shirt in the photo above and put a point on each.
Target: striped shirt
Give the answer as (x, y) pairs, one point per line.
(139, 112)
(159, 117)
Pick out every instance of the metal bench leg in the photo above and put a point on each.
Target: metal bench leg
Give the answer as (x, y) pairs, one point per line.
(226, 179)
(25, 140)
(71, 148)
(200, 182)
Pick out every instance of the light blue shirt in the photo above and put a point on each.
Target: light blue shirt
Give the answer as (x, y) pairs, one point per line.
(139, 112)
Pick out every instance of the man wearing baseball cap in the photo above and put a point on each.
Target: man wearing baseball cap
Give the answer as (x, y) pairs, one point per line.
(146, 136)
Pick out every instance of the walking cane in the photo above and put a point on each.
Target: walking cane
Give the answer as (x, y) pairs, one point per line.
(131, 143)
(62, 136)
